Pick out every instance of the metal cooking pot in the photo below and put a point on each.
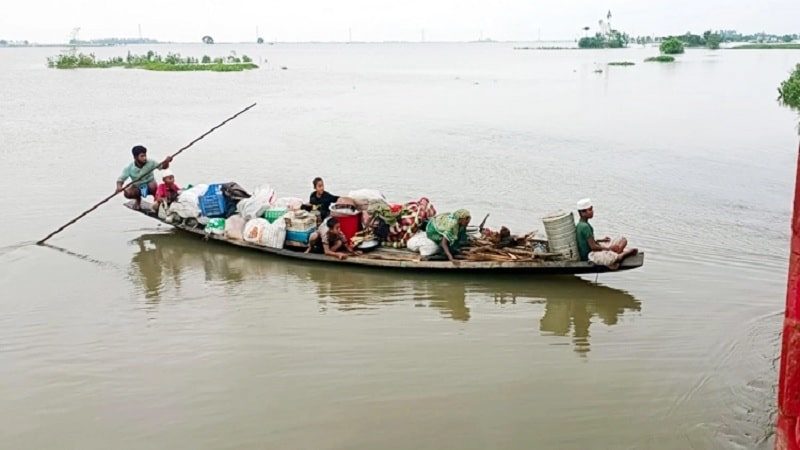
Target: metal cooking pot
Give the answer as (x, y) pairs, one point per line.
(369, 245)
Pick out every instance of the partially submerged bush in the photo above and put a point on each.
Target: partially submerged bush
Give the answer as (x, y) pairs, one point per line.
(660, 58)
(622, 63)
(153, 61)
(671, 46)
(789, 90)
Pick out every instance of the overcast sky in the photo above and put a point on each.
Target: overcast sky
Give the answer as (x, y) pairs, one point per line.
(377, 20)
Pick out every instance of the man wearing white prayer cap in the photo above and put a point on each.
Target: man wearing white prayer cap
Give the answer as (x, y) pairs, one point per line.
(609, 253)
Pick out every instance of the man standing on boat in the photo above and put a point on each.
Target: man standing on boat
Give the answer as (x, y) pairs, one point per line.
(140, 171)
(591, 249)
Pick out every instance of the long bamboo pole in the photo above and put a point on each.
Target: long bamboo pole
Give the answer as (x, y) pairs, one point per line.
(83, 214)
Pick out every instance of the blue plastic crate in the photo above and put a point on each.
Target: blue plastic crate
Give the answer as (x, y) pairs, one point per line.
(213, 203)
(300, 236)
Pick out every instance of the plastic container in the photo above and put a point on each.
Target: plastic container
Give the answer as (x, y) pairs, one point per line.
(350, 223)
(213, 203)
(560, 229)
(274, 214)
(299, 236)
(301, 224)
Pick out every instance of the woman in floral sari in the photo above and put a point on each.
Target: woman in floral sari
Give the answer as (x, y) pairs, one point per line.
(449, 230)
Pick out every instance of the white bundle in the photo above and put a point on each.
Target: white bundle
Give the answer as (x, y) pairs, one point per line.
(261, 200)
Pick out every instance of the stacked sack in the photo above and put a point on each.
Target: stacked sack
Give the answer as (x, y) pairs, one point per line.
(260, 232)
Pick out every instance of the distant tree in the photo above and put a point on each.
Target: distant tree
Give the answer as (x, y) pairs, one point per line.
(208, 40)
(206, 59)
(787, 38)
(596, 41)
(3, 42)
(615, 39)
(671, 46)
(260, 40)
(692, 40)
(713, 40)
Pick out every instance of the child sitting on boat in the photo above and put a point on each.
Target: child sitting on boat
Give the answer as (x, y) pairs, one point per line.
(331, 241)
(591, 249)
(167, 192)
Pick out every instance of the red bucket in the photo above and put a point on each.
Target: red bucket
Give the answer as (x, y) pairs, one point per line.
(349, 223)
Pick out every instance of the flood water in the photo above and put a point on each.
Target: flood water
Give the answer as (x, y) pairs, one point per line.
(125, 334)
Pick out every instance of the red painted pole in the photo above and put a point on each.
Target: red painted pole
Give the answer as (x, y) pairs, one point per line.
(787, 431)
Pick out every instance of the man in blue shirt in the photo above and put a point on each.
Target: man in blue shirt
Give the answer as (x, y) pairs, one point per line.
(140, 171)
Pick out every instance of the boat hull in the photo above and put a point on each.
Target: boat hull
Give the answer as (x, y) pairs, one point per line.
(406, 260)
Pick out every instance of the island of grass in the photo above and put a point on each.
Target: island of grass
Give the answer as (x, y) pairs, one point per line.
(622, 63)
(660, 58)
(173, 62)
(767, 47)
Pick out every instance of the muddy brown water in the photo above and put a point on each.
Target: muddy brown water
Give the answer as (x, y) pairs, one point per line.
(125, 333)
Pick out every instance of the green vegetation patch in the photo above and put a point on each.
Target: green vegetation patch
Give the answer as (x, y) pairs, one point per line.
(622, 63)
(789, 90)
(767, 47)
(671, 46)
(661, 58)
(612, 39)
(226, 67)
(173, 62)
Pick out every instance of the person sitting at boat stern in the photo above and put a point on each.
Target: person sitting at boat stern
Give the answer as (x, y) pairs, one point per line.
(140, 171)
(335, 243)
(603, 252)
(449, 230)
(167, 192)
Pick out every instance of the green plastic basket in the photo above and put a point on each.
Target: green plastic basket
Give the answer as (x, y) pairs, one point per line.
(274, 214)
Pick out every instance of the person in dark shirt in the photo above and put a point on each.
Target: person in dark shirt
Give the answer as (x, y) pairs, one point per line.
(321, 199)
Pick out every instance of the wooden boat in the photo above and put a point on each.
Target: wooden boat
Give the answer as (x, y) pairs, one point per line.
(406, 259)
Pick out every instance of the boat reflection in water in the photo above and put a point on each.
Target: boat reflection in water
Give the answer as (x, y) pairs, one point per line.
(164, 261)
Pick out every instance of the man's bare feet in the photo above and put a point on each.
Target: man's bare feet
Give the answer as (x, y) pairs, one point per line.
(622, 256)
(629, 252)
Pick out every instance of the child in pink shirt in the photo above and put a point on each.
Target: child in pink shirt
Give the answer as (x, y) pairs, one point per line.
(167, 191)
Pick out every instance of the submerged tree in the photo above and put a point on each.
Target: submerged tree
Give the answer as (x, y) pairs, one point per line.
(208, 40)
(671, 46)
(789, 91)
(260, 40)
